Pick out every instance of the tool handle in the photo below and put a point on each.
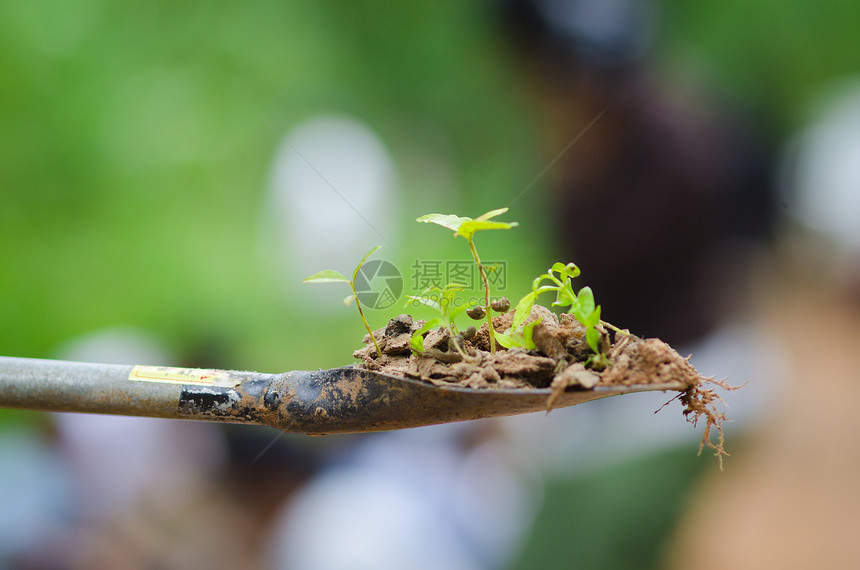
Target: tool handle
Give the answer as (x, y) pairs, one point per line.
(151, 391)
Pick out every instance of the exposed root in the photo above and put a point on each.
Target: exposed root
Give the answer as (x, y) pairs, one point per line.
(700, 402)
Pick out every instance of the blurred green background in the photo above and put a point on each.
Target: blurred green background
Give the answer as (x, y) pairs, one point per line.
(136, 143)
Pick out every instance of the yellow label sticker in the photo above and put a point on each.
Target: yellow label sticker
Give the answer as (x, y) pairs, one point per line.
(172, 375)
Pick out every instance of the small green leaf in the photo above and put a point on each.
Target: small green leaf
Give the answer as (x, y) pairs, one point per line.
(593, 318)
(363, 259)
(450, 221)
(592, 337)
(468, 228)
(491, 214)
(425, 301)
(510, 340)
(348, 300)
(586, 300)
(417, 340)
(523, 310)
(528, 333)
(326, 276)
(597, 361)
(456, 311)
(451, 289)
(570, 270)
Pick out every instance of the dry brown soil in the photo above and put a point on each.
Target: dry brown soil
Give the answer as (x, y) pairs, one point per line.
(560, 362)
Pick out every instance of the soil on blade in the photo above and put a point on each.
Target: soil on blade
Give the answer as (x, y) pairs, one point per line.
(560, 362)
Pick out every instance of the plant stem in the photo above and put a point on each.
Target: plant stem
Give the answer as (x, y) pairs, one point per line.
(490, 330)
(367, 326)
(457, 345)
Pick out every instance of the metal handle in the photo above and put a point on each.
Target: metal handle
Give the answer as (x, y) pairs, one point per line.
(161, 392)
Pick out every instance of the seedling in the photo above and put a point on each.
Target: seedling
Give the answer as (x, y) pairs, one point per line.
(581, 306)
(466, 227)
(516, 338)
(332, 276)
(442, 301)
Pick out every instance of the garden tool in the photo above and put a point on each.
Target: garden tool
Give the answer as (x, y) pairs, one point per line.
(341, 400)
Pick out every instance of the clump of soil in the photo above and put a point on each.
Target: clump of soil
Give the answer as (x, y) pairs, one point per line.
(560, 362)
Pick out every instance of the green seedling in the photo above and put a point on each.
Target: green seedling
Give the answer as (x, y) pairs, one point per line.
(442, 301)
(581, 305)
(519, 336)
(332, 276)
(467, 227)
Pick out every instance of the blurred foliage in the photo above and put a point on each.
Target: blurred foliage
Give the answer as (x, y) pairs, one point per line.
(137, 142)
(774, 55)
(615, 518)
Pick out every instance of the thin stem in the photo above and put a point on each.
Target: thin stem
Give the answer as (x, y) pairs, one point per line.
(457, 344)
(490, 330)
(367, 326)
(613, 327)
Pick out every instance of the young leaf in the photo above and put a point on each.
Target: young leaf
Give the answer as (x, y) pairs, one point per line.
(456, 311)
(592, 337)
(511, 339)
(417, 340)
(586, 301)
(523, 310)
(570, 270)
(528, 333)
(426, 301)
(450, 291)
(593, 318)
(326, 276)
(416, 343)
(450, 221)
(363, 259)
(348, 300)
(468, 229)
(491, 214)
